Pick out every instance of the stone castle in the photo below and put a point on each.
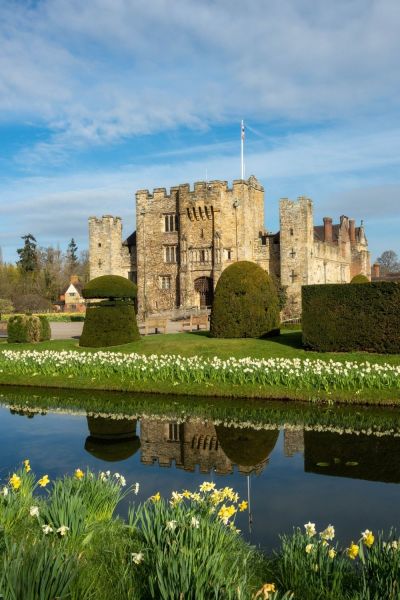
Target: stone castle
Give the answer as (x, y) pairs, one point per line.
(185, 239)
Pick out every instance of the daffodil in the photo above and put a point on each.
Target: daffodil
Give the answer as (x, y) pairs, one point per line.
(243, 505)
(352, 551)
(195, 522)
(34, 511)
(368, 538)
(137, 557)
(15, 481)
(309, 547)
(44, 481)
(47, 529)
(156, 497)
(328, 533)
(63, 530)
(79, 474)
(27, 465)
(310, 529)
(207, 486)
(331, 553)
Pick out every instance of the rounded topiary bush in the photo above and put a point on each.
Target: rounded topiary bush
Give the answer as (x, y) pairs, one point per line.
(245, 303)
(24, 329)
(360, 279)
(111, 321)
(110, 286)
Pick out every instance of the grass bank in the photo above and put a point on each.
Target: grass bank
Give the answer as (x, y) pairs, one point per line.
(286, 346)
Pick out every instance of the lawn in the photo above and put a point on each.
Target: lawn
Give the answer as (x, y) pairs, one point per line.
(286, 346)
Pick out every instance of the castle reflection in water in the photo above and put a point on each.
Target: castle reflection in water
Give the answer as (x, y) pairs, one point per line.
(202, 445)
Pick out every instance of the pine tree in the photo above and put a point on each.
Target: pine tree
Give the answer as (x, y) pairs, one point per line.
(72, 255)
(28, 259)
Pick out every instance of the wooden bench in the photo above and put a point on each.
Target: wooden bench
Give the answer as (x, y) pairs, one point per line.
(195, 322)
(155, 323)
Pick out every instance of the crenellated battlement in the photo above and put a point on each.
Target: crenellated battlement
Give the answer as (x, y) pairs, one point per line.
(199, 188)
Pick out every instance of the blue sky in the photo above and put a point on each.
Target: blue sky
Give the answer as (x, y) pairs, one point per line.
(100, 98)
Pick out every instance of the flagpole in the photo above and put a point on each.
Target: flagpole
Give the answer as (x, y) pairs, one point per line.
(242, 149)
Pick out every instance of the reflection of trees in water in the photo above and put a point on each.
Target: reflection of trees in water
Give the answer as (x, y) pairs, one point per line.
(357, 456)
(29, 413)
(248, 448)
(112, 439)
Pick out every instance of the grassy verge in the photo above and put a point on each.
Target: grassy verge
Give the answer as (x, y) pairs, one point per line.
(287, 346)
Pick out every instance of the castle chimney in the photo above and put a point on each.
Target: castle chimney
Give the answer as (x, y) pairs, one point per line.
(376, 270)
(352, 231)
(328, 229)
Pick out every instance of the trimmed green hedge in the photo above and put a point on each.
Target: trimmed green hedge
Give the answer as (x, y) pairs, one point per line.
(245, 303)
(110, 286)
(77, 318)
(360, 279)
(24, 328)
(342, 317)
(109, 323)
(45, 330)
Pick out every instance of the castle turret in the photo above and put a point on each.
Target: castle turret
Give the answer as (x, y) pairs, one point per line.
(105, 246)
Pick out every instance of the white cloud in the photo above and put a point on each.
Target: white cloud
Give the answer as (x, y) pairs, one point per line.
(99, 71)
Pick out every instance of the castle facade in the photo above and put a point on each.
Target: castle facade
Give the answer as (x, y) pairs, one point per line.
(185, 239)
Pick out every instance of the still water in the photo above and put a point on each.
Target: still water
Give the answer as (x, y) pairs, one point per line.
(290, 470)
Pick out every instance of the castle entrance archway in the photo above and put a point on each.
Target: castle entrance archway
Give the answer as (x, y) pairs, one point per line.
(204, 286)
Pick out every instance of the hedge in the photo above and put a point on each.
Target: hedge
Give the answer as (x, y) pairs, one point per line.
(343, 318)
(28, 329)
(245, 303)
(360, 278)
(110, 286)
(109, 323)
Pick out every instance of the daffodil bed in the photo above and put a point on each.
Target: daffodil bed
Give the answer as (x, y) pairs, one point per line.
(311, 379)
(63, 539)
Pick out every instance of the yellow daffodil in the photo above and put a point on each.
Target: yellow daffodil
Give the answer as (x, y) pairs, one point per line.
(226, 512)
(243, 505)
(352, 551)
(264, 592)
(331, 553)
(27, 465)
(368, 538)
(44, 481)
(79, 474)
(186, 494)
(15, 481)
(207, 486)
(156, 497)
(309, 547)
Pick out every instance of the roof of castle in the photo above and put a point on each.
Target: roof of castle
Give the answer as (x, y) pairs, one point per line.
(130, 240)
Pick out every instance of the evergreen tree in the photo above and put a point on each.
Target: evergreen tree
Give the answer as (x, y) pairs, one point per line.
(28, 259)
(72, 255)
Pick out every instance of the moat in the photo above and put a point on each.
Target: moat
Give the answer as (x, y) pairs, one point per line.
(293, 464)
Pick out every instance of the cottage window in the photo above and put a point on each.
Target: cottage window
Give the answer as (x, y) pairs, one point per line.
(171, 223)
(170, 254)
(165, 282)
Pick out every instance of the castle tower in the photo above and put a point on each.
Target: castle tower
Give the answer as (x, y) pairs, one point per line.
(296, 249)
(105, 246)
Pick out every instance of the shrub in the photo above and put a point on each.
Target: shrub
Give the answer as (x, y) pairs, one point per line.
(45, 330)
(110, 286)
(77, 318)
(360, 278)
(245, 303)
(23, 329)
(113, 321)
(6, 306)
(344, 317)
(109, 323)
